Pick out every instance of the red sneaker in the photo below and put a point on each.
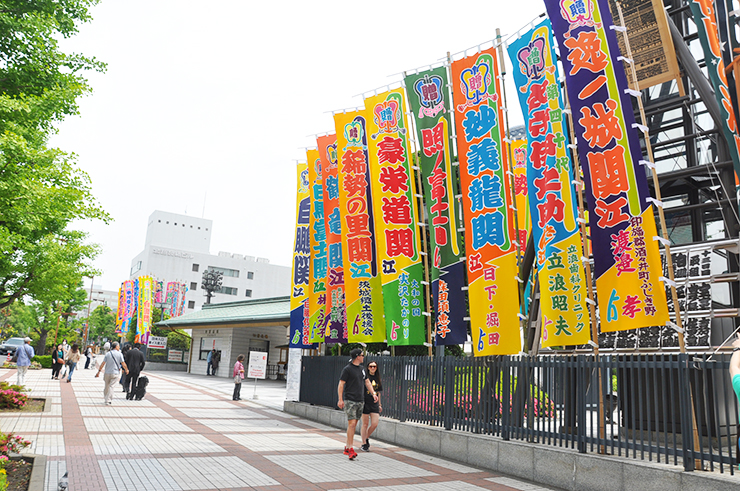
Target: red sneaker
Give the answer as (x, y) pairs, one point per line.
(352, 454)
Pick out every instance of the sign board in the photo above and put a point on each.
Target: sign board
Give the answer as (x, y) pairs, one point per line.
(207, 344)
(650, 41)
(174, 355)
(257, 365)
(157, 342)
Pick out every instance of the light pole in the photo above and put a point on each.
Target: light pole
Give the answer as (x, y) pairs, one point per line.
(161, 306)
(212, 281)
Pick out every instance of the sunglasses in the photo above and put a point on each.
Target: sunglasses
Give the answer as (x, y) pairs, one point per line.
(372, 366)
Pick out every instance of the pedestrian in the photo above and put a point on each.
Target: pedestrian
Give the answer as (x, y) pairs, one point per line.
(124, 350)
(238, 377)
(65, 350)
(135, 362)
(88, 356)
(24, 353)
(57, 360)
(735, 375)
(215, 362)
(351, 396)
(112, 363)
(372, 409)
(209, 362)
(72, 357)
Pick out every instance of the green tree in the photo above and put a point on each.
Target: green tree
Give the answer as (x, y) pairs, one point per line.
(102, 323)
(41, 189)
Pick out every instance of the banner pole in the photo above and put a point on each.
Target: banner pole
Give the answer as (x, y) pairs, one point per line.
(664, 230)
(512, 193)
(422, 227)
(587, 270)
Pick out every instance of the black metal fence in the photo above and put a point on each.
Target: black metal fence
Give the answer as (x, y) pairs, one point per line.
(673, 408)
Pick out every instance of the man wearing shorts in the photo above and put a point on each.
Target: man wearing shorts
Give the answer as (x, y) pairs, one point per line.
(352, 397)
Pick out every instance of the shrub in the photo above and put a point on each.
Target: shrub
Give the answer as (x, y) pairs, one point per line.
(11, 396)
(44, 360)
(11, 443)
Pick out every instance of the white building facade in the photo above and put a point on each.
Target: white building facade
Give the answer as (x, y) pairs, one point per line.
(177, 248)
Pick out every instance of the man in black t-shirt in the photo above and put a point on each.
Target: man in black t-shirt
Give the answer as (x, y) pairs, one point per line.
(352, 396)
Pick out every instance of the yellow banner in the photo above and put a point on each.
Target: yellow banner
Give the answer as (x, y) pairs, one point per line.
(364, 298)
(396, 217)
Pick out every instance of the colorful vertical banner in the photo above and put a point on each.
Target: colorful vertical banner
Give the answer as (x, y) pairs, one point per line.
(364, 293)
(121, 308)
(144, 309)
(705, 18)
(396, 218)
(430, 104)
(130, 305)
(521, 191)
(627, 263)
(335, 306)
(489, 225)
(319, 260)
(159, 291)
(299, 318)
(171, 297)
(183, 299)
(563, 290)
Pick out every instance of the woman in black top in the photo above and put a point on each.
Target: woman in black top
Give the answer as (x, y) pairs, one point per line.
(371, 411)
(57, 360)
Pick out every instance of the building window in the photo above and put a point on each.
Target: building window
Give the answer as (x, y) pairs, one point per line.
(250, 275)
(227, 290)
(233, 273)
(193, 285)
(191, 304)
(195, 267)
(248, 293)
(136, 267)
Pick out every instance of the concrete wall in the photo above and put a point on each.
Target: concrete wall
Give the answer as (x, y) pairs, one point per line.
(551, 466)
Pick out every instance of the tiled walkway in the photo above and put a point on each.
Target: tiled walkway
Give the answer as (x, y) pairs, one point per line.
(184, 436)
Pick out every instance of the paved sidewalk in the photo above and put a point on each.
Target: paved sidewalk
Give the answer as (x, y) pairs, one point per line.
(188, 436)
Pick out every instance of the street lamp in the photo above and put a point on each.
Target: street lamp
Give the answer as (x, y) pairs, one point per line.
(161, 306)
(212, 281)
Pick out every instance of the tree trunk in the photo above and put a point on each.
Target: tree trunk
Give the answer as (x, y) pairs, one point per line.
(41, 349)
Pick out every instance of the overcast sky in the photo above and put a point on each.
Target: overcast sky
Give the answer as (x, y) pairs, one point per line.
(206, 106)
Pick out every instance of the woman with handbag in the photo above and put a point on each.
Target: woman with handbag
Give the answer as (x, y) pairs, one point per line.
(57, 360)
(72, 357)
(238, 376)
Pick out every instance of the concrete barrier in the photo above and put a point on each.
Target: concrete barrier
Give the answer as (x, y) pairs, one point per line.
(552, 466)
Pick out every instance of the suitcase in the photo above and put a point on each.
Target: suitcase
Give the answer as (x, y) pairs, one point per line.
(141, 384)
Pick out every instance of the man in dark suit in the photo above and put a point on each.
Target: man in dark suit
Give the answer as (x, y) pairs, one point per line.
(135, 362)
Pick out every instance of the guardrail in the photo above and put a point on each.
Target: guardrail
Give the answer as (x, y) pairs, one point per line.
(677, 409)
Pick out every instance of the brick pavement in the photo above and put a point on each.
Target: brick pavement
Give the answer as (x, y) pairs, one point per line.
(190, 437)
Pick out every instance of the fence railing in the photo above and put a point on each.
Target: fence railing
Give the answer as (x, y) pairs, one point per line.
(676, 409)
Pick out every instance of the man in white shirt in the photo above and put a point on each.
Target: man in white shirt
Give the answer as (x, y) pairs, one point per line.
(112, 364)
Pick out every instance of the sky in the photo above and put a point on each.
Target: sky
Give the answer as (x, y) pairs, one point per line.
(206, 107)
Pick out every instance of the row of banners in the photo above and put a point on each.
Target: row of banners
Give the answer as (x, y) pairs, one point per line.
(358, 268)
(136, 297)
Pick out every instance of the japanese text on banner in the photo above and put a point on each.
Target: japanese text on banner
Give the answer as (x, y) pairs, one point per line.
(299, 318)
(364, 294)
(430, 104)
(489, 228)
(396, 218)
(319, 260)
(563, 290)
(626, 258)
(336, 321)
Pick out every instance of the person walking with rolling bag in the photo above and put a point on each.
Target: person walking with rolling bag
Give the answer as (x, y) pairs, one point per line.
(238, 377)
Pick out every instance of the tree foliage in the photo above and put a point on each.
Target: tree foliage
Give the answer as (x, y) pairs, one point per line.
(41, 189)
(102, 323)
